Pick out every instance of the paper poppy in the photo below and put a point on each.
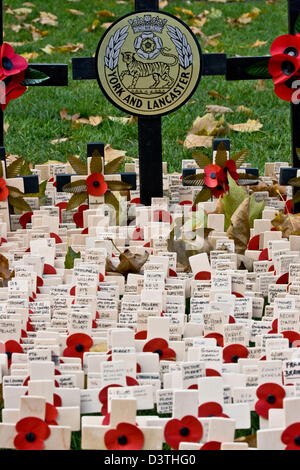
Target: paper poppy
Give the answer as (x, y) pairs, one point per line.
(126, 436)
(234, 352)
(291, 437)
(96, 185)
(3, 190)
(188, 429)
(274, 326)
(218, 191)
(78, 216)
(218, 337)
(61, 206)
(212, 373)
(211, 410)
(141, 335)
(48, 269)
(77, 345)
(11, 88)
(160, 346)
(51, 414)
(211, 175)
(11, 347)
(103, 398)
(254, 243)
(211, 445)
(292, 336)
(25, 219)
(229, 167)
(283, 279)
(203, 276)
(264, 255)
(31, 434)
(10, 62)
(162, 216)
(270, 395)
(284, 65)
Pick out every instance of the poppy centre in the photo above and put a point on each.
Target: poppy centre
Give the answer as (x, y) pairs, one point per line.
(122, 440)
(184, 432)
(30, 437)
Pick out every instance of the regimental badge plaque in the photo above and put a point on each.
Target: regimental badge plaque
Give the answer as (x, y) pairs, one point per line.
(148, 63)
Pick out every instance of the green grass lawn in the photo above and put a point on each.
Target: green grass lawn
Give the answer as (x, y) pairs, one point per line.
(34, 119)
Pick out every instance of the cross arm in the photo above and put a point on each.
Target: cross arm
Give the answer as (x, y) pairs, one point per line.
(57, 73)
(247, 68)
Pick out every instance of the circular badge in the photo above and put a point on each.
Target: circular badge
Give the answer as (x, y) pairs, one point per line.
(148, 63)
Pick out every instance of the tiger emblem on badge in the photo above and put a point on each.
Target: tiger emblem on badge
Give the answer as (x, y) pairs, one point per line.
(148, 63)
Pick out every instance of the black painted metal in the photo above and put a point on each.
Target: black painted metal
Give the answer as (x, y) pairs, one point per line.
(57, 73)
(214, 64)
(237, 68)
(84, 68)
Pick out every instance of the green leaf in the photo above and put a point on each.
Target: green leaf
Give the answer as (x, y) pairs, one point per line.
(118, 185)
(203, 196)
(19, 204)
(25, 170)
(14, 192)
(295, 182)
(13, 170)
(34, 77)
(231, 201)
(115, 165)
(111, 200)
(75, 187)
(297, 25)
(201, 159)
(194, 180)
(76, 200)
(221, 155)
(78, 166)
(255, 210)
(96, 164)
(240, 157)
(259, 69)
(70, 257)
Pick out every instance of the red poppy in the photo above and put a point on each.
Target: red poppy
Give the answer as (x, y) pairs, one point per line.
(56, 237)
(211, 176)
(292, 336)
(284, 65)
(270, 395)
(141, 335)
(218, 191)
(172, 273)
(11, 347)
(62, 206)
(96, 185)
(160, 346)
(103, 398)
(291, 437)
(188, 429)
(3, 190)
(25, 219)
(203, 276)
(229, 167)
(289, 207)
(126, 436)
(274, 327)
(77, 345)
(78, 216)
(211, 445)
(264, 255)
(283, 279)
(57, 402)
(254, 243)
(11, 88)
(10, 62)
(31, 434)
(162, 216)
(212, 373)
(218, 337)
(211, 410)
(234, 352)
(51, 414)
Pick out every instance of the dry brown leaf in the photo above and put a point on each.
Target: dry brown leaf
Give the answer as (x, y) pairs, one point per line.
(185, 11)
(5, 127)
(244, 109)
(206, 125)
(215, 109)
(60, 141)
(239, 230)
(198, 141)
(163, 4)
(260, 85)
(46, 18)
(288, 224)
(106, 25)
(111, 154)
(258, 43)
(215, 94)
(95, 120)
(93, 26)
(67, 117)
(250, 126)
(75, 12)
(30, 55)
(129, 263)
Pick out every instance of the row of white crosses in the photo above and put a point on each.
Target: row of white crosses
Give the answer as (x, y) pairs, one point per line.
(135, 305)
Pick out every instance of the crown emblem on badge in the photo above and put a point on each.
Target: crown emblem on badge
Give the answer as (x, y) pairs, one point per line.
(147, 24)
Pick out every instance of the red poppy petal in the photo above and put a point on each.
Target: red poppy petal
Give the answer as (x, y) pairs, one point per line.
(212, 373)
(211, 445)
(155, 344)
(133, 437)
(48, 269)
(209, 409)
(34, 425)
(103, 394)
(80, 338)
(290, 433)
(283, 279)
(203, 276)
(21, 443)
(218, 337)
(141, 335)
(234, 350)
(254, 243)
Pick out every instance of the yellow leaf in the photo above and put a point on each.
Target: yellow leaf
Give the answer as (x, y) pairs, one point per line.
(258, 43)
(215, 109)
(206, 125)
(215, 94)
(95, 120)
(260, 85)
(185, 11)
(105, 14)
(106, 25)
(46, 18)
(30, 55)
(163, 4)
(48, 49)
(250, 126)
(61, 140)
(92, 27)
(244, 109)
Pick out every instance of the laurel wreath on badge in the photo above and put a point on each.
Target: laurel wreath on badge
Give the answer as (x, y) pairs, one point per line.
(182, 46)
(114, 47)
(177, 37)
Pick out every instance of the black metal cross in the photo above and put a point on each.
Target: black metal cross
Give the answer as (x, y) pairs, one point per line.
(58, 76)
(149, 129)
